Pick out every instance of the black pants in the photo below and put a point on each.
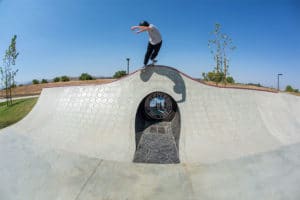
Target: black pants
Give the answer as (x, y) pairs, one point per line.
(152, 50)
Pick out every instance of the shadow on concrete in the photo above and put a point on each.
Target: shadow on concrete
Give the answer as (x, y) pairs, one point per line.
(172, 74)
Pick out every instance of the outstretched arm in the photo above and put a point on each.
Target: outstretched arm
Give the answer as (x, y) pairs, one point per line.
(141, 28)
(134, 28)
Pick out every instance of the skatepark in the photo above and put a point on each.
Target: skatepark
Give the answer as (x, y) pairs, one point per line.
(154, 134)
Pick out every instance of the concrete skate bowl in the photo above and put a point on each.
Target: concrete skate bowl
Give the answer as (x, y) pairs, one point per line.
(80, 142)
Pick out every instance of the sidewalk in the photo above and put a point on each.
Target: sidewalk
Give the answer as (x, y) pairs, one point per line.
(25, 97)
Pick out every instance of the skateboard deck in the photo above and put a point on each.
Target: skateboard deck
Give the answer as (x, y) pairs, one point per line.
(149, 65)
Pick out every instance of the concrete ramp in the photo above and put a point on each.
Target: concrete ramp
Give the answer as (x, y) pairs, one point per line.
(80, 142)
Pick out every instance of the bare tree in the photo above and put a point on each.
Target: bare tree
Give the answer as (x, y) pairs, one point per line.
(227, 45)
(220, 46)
(215, 46)
(7, 73)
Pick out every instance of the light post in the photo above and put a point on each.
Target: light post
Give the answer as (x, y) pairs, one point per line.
(278, 80)
(127, 65)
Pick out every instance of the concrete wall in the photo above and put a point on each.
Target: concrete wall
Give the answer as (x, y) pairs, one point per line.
(216, 123)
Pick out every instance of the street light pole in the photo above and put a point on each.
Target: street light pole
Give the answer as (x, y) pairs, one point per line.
(127, 65)
(278, 81)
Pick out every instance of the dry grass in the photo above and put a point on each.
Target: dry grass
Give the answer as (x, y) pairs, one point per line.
(36, 89)
(248, 87)
(294, 93)
(239, 86)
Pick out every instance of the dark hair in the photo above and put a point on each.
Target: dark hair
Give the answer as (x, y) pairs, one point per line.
(144, 23)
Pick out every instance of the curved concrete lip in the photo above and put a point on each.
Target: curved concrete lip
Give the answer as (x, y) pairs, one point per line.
(78, 143)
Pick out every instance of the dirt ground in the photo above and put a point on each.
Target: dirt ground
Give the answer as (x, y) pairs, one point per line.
(238, 86)
(27, 90)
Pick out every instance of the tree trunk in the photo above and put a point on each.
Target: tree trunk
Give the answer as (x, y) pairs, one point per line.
(10, 98)
(225, 71)
(6, 90)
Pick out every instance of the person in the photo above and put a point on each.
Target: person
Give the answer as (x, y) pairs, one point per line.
(155, 40)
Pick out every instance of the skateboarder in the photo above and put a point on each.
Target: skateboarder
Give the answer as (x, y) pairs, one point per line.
(154, 43)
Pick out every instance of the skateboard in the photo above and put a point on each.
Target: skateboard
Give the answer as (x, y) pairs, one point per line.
(153, 62)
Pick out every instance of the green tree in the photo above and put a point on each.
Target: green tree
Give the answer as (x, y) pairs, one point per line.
(56, 79)
(120, 74)
(85, 76)
(44, 81)
(65, 79)
(291, 89)
(213, 76)
(230, 79)
(35, 81)
(7, 73)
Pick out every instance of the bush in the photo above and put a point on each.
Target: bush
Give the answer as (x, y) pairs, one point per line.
(65, 79)
(255, 84)
(35, 81)
(230, 79)
(85, 76)
(44, 81)
(289, 88)
(56, 79)
(119, 74)
(213, 76)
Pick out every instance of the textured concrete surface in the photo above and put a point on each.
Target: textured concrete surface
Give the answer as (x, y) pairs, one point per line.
(157, 145)
(79, 143)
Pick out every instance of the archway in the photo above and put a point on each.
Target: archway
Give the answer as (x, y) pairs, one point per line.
(157, 129)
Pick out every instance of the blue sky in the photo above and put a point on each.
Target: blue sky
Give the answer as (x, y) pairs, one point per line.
(68, 37)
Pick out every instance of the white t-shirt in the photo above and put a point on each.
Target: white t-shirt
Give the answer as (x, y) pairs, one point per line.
(154, 35)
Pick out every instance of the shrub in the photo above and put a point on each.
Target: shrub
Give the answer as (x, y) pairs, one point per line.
(85, 76)
(230, 79)
(289, 88)
(56, 79)
(255, 84)
(44, 81)
(35, 81)
(119, 74)
(213, 76)
(65, 79)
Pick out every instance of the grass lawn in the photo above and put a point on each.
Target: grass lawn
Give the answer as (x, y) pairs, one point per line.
(12, 114)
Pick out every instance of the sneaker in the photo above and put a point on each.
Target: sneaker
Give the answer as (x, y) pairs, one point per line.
(153, 62)
(144, 67)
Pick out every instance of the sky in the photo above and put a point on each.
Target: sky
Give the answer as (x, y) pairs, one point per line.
(69, 37)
